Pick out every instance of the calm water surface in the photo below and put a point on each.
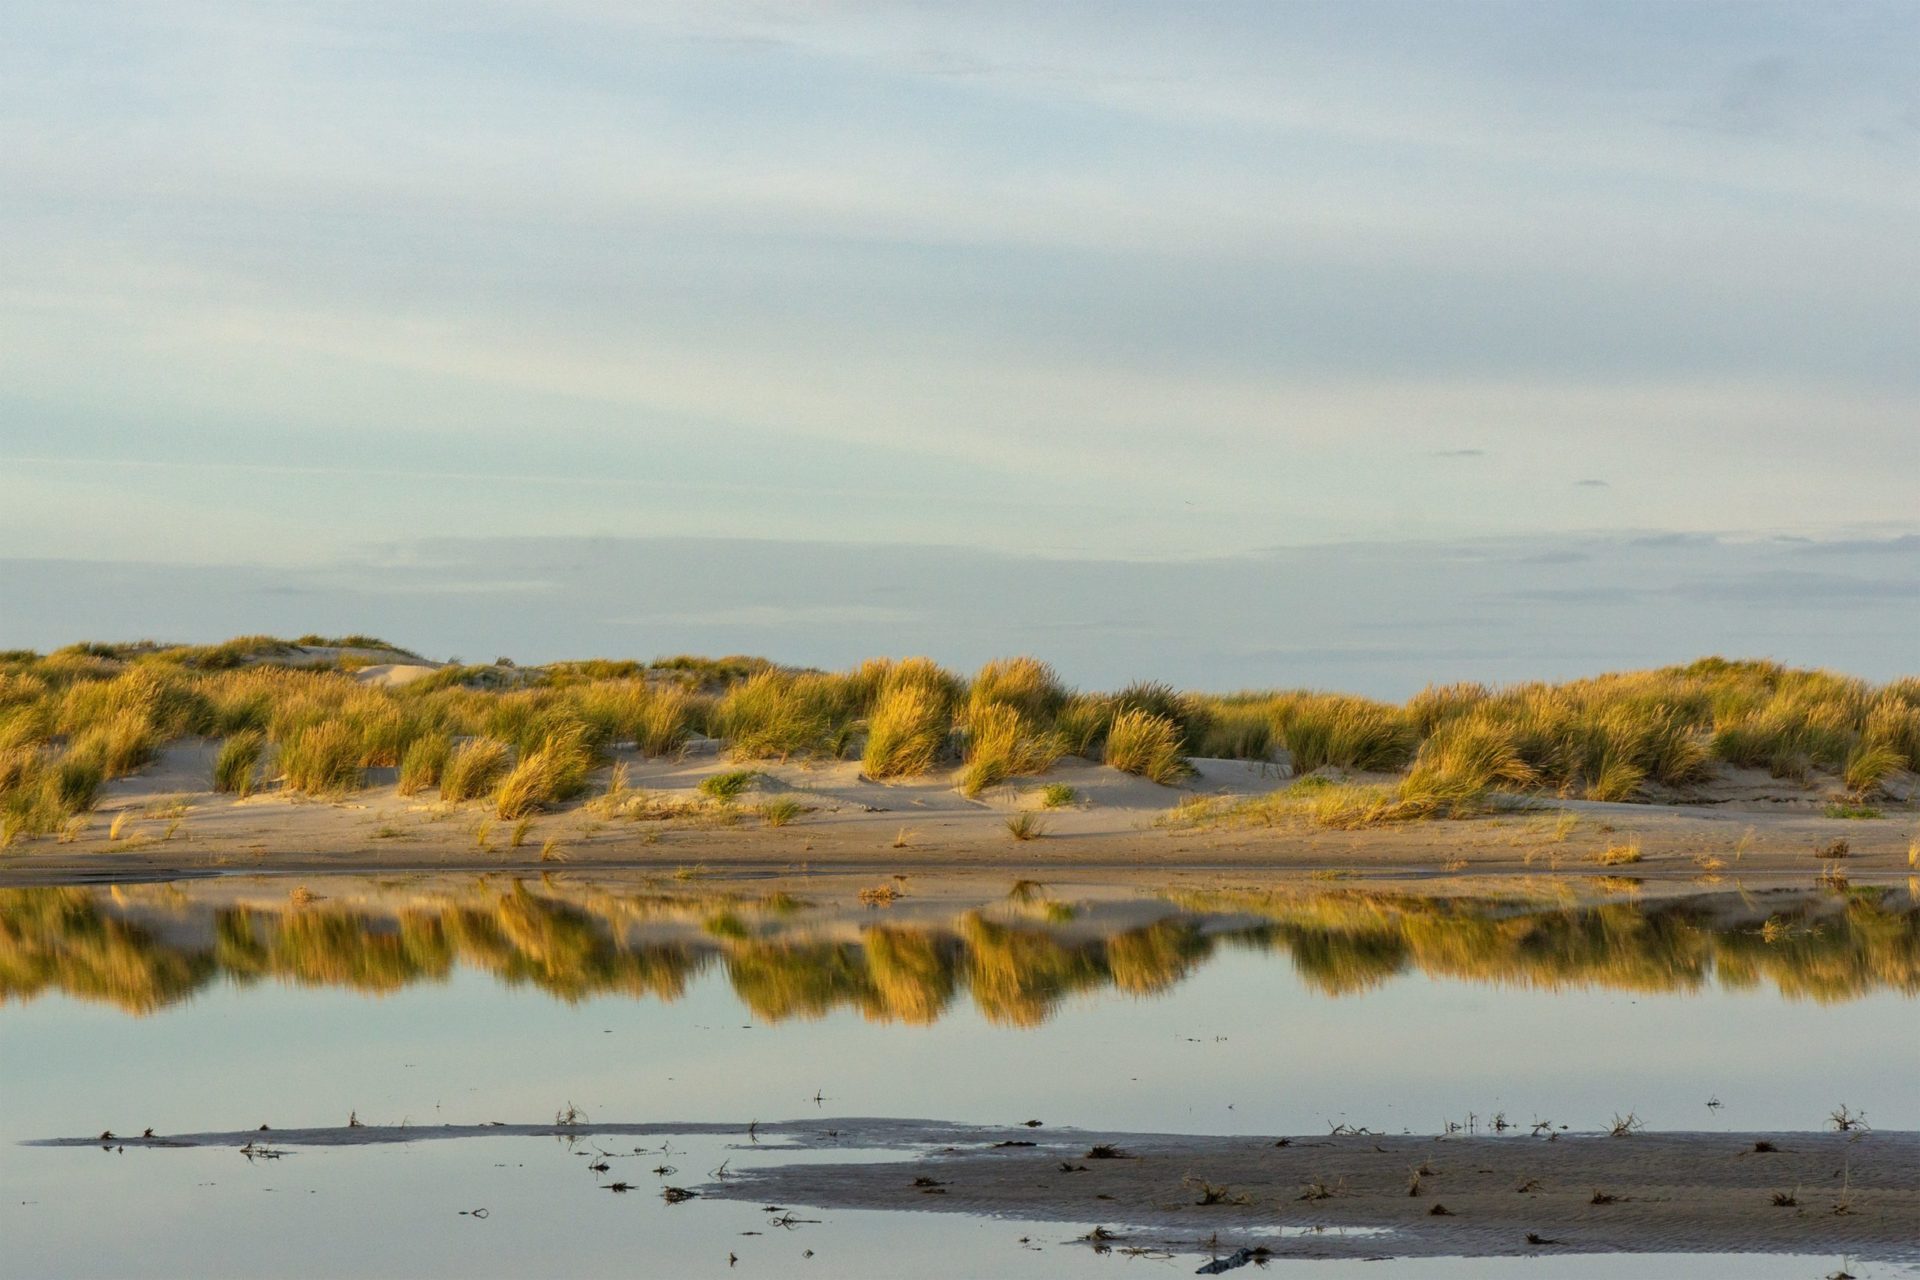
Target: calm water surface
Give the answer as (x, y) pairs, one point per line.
(224, 1006)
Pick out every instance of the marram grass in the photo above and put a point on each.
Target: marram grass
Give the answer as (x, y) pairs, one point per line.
(279, 708)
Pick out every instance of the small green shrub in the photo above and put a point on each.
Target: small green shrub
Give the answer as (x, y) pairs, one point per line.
(1057, 795)
(730, 785)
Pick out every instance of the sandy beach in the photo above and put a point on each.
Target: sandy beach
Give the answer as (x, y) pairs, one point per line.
(166, 821)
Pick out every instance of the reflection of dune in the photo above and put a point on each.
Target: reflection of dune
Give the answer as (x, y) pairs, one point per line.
(94, 946)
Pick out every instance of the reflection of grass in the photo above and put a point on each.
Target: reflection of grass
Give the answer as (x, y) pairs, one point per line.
(88, 945)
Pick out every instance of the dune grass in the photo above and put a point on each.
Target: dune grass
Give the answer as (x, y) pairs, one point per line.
(1143, 743)
(550, 774)
(425, 762)
(321, 759)
(473, 769)
(906, 732)
(236, 767)
(1003, 743)
(1638, 735)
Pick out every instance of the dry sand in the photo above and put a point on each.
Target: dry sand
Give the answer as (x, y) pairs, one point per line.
(1855, 1193)
(1750, 829)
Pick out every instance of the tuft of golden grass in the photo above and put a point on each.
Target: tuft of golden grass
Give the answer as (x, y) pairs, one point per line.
(424, 762)
(782, 810)
(1142, 743)
(1025, 825)
(554, 772)
(321, 759)
(906, 732)
(473, 769)
(1618, 855)
(236, 766)
(1002, 744)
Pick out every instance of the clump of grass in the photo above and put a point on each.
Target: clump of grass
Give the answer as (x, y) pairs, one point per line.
(236, 767)
(46, 793)
(906, 732)
(1057, 795)
(729, 786)
(424, 763)
(555, 772)
(665, 722)
(1001, 743)
(1346, 733)
(550, 850)
(474, 768)
(1140, 742)
(1838, 809)
(1618, 855)
(1025, 825)
(1028, 686)
(775, 715)
(1082, 724)
(1785, 1199)
(1834, 849)
(1456, 769)
(881, 895)
(322, 759)
(1236, 731)
(518, 836)
(125, 742)
(779, 812)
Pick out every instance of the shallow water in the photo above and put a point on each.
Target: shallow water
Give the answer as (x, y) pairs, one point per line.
(223, 1006)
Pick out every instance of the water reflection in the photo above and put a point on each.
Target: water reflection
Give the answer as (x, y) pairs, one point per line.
(143, 949)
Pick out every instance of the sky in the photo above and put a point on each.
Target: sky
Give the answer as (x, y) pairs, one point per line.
(1078, 320)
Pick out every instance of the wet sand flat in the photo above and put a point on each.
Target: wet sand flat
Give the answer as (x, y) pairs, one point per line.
(1855, 1192)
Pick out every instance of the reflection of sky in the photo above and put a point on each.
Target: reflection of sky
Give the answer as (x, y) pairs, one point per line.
(1099, 280)
(1239, 1046)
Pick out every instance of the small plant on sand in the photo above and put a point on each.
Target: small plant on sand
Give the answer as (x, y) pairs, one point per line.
(1625, 1126)
(729, 786)
(1619, 855)
(1057, 795)
(780, 811)
(236, 767)
(550, 850)
(881, 895)
(1834, 849)
(1142, 743)
(1025, 825)
(1844, 809)
(518, 836)
(473, 769)
(1786, 1199)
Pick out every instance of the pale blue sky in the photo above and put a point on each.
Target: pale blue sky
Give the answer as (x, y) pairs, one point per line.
(286, 285)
